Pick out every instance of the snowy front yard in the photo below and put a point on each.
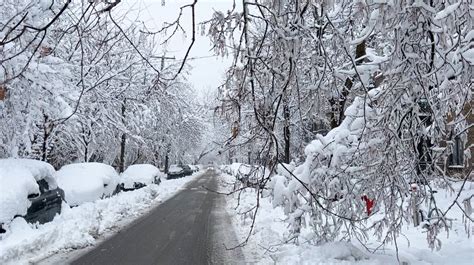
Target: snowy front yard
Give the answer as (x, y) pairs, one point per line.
(270, 241)
(82, 226)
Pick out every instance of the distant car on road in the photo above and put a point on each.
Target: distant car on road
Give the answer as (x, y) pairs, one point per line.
(179, 171)
(28, 189)
(87, 182)
(139, 176)
(187, 170)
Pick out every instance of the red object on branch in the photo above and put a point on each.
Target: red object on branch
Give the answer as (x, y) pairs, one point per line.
(369, 204)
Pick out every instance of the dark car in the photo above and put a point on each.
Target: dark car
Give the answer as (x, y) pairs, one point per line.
(28, 180)
(175, 172)
(179, 171)
(187, 170)
(46, 205)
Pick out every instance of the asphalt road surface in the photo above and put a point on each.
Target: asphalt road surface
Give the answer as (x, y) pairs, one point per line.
(190, 228)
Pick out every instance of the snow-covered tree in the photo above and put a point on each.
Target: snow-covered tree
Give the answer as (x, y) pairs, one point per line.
(391, 80)
(80, 84)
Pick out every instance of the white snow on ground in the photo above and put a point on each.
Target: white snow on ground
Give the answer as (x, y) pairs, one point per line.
(17, 180)
(269, 243)
(142, 173)
(81, 226)
(87, 182)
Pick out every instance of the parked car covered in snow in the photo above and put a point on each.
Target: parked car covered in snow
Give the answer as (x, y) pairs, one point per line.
(140, 175)
(194, 168)
(87, 182)
(187, 170)
(175, 171)
(179, 171)
(28, 188)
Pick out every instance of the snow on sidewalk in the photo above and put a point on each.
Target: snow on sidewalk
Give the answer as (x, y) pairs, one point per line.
(269, 242)
(82, 226)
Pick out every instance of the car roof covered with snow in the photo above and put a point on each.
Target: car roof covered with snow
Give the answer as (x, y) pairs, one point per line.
(140, 173)
(18, 179)
(175, 169)
(87, 182)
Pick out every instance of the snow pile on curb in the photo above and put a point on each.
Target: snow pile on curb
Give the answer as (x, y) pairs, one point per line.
(81, 226)
(271, 243)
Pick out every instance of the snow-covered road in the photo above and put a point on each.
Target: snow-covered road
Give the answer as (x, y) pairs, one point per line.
(189, 228)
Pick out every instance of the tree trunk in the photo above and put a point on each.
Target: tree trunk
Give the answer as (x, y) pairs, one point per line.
(286, 130)
(339, 104)
(121, 165)
(86, 152)
(46, 133)
(167, 159)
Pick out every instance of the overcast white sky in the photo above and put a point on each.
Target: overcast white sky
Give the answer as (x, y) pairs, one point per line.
(207, 73)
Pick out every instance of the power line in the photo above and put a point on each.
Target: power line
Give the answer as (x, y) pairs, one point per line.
(202, 57)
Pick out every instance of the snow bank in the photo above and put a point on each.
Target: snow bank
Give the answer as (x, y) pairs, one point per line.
(87, 182)
(272, 243)
(140, 173)
(17, 180)
(81, 226)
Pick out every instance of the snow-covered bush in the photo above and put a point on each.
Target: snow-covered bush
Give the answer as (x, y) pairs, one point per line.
(87, 182)
(246, 175)
(237, 169)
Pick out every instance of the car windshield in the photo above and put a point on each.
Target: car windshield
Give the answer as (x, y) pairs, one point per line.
(43, 185)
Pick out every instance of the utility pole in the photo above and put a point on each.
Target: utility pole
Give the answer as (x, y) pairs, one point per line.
(123, 141)
(163, 58)
(168, 146)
